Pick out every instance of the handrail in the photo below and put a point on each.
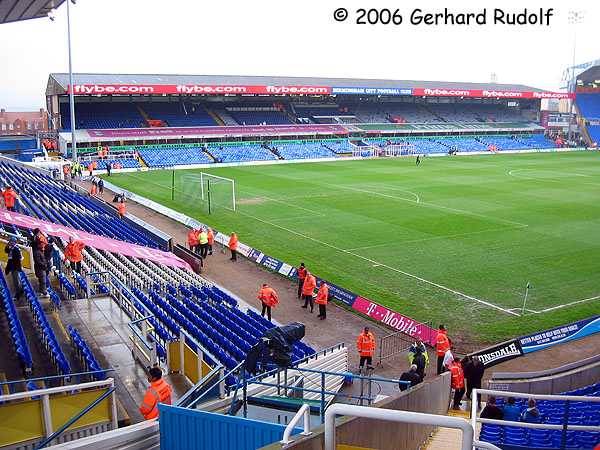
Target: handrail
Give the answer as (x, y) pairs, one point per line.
(485, 445)
(394, 416)
(215, 384)
(182, 402)
(57, 390)
(75, 418)
(304, 412)
(52, 377)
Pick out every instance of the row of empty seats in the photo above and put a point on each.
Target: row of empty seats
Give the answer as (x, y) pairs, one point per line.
(174, 156)
(17, 334)
(552, 412)
(312, 150)
(45, 331)
(85, 355)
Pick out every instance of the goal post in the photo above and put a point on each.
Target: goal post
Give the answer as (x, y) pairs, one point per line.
(217, 191)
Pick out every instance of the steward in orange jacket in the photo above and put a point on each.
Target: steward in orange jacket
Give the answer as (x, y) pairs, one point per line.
(158, 392)
(321, 300)
(192, 240)
(269, 299)
(233, 245)
(457, 382)
(73, 254)
(301, 276)
(365, 343)
(211, 239)
(308, 289)
(442, 344)
(9, 196)
(122, 209)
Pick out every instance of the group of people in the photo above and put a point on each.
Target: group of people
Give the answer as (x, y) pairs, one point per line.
(97, 186)
(511, 412)
(201, 241)
(307, 283)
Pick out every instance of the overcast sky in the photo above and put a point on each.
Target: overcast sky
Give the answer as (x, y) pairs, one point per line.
(294, 38)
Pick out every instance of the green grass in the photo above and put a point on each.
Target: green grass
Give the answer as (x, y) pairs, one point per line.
(481, 225)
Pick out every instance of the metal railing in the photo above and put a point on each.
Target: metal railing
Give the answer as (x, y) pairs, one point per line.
(394, 416)
(393, 344)
(63, 378)
(46, 407)
(303, 413)
(75, 418)
(565, 426)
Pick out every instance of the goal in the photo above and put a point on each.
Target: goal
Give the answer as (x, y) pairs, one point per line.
(212, 191)
(400, 149)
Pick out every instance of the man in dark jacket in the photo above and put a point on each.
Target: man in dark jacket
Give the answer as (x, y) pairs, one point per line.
(420, 361)
(412, 376)
(474, 370)
(491, 411)
(40, 267)
(13, 265)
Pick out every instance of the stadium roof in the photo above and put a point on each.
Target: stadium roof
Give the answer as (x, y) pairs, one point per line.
(592, 73)
(58, 82)
(17, 10)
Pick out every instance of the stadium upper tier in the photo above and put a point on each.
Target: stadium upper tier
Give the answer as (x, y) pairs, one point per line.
(123, 114)
(589, 108)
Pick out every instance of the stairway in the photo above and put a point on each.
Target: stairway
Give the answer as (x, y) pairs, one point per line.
(274, 151)
(143, 113)
(447, 438)
(214, 116)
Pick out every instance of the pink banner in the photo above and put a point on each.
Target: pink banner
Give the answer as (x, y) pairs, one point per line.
(241, 130)
(93, 240)
(395, 320)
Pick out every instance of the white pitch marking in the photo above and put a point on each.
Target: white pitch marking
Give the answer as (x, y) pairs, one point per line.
(372, 261)
(431, 205)
(576, 302)
(412, 241)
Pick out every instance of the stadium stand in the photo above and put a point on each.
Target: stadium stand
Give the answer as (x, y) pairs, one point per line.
(103, 115)
(85, 355)
(551, 412)
(17, 334)
(126, 163)
(240, 153)
(176, 114)
(589, 107)
(47, 199)
(312, 150)
(174, 155)
(258, 115)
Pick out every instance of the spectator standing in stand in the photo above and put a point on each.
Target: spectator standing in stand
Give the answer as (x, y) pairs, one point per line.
(420, 361)
(100, 186)
(269, 299)
(474, 370)
(301, 274)
(308, 290)
(73, 254)
(13, 265)
(449, 358)
(442, 344)
(321, 300)
(108, 168)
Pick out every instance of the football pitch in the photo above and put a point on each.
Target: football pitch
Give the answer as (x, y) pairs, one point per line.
(455, 240)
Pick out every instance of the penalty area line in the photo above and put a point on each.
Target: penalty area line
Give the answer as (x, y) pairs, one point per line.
(380, 264)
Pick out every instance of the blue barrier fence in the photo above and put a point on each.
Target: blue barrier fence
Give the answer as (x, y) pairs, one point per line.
(186, 429)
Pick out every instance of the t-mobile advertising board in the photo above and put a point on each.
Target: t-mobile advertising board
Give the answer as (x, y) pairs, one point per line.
(395, 320)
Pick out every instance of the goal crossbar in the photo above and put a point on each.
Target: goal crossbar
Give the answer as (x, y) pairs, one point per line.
(205, 178)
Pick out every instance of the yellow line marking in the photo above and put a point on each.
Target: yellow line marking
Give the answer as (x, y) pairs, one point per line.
(5, 390)
(60, 324)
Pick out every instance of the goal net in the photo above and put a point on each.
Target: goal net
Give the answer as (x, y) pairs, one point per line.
(210, 191)
(400, 149)
(363, 151)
